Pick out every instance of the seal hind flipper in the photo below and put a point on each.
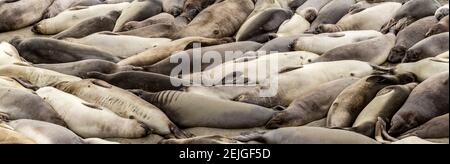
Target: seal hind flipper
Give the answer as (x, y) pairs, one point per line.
(252, 136)
(380, 132)
(101, 83)
(178, 133)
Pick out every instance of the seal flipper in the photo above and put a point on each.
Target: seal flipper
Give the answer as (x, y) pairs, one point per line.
(4, 117)
(178, 133)
(380, 132)
(102, 83)
(93, 106)
(25, 83)
(252, 136)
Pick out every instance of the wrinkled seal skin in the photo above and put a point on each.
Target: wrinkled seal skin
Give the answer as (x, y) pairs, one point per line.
(435, 128)
(429, 47)
(49, 51)
(440, 27)
(192, 110)
(219, 20)
(428, 100)
(81, 68)
(123, 103)
(146, 81)
(310, 107)
(18, 104)
(307, 135)
(409, 36)
(138, 10)
(331, 13)
(349, 104)
(21, 13)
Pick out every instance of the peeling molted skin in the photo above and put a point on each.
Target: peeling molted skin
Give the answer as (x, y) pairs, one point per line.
(307, 135)
(22, 13)
(73, 16)
(424, 68)
(192, 110)
(441, 12)
(384, 105)
(310, 107)
(123, 103)
(440, 27)
(163, 18)
(215, 139)
(435, 128)
(427, 101)
(57, 7)
(50, 51)
(349, 104)
(9, 136)
(36, 76)
(89, 120)
(138, 10)
(332, 13)
(9, 54)
(409, 36)
(429, 47)
(173, 7)
(298, 82)
(81, 68)
(219, 20)
(19, 104)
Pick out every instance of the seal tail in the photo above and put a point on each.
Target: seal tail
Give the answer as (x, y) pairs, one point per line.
(178, 133)
(381, 133)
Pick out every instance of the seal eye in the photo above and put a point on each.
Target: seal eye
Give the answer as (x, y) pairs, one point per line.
(216, 32)
(352, 74)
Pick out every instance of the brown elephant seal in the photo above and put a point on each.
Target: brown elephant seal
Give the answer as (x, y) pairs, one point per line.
(123, 103)
(409, 36)
(146, 81)
(138, 10)
(378, 16)
(219, 20)
(9, 136)
(311, 106)
(428, 100)
(261, 27)
(81, 68)
(48, 133)
(163, 18)
(409, 13)
(182, 109)
(36, 76)
(345, 110)
(165, 50)
(429, 47)
(50, 51)
(440, 27)
(331, 13)
(442, 12)
(90, 26)
(173, 7)
(307, 135)
(384, 105)
(18, 104)
(435, 128)
(214, 139)
(380, 48)
(17, 14)
(241, 49)
(424, 68)
(88, 120)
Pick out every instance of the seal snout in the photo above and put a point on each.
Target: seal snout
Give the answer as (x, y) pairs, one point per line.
(36, 28)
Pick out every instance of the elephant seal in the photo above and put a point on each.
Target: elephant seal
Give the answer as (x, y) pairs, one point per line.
(122, 46)
(311, 106)
(192, 8)
(435, 128)
(89, 2)
(88, 120)
(50, 51)
(409, 36)
(440, 27)
(165, 50)
(138, 10)
(18, 104)
(361, 5)
(240, 49)
(429, 47)
(48, 133)
(221, 92)
(9, 54)
(202, 131)
(345, 110)
(214, 139)
(331, 13)
(270, 20)
(322, 43)
(81, 68)
(294, 4)
(310, 9)
(378, 16)
(295, 26)
(262, 5)
(182, 109)
(17, 14)
(297, 82)
(386, 103)
(90, 26)
(150, 82)
(158, 30)
(173, 7)
(9, 136)
(122, 103)
(279, 44)
(36, 76)
(73, 16)
(428, 100)
(219, 20)
(163, 18)
(408, 13)
(57, 7)
(424, 68)
(380, 48)
(307, 135)
(441, 12)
